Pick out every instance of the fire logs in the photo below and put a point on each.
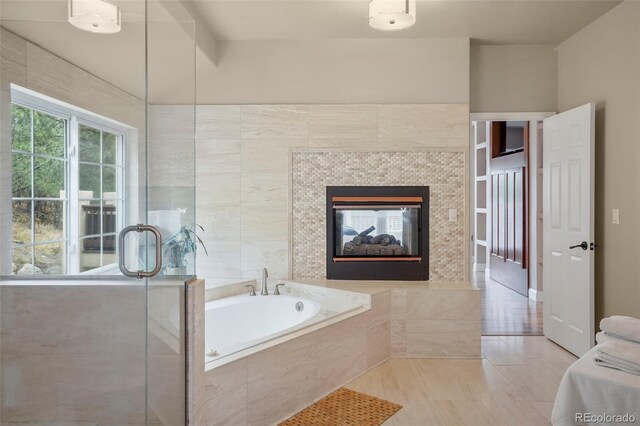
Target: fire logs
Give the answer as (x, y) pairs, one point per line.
(367, 231)
(380, 245)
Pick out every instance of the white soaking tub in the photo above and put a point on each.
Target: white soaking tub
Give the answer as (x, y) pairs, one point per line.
(240, 325)
(239, 322)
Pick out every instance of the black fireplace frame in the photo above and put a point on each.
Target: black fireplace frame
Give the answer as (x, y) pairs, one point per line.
(372, 268)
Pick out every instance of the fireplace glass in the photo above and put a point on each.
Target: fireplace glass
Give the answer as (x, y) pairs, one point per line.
(377, 231)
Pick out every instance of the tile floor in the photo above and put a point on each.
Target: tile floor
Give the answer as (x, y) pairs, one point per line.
(505, 312)
(514, 383)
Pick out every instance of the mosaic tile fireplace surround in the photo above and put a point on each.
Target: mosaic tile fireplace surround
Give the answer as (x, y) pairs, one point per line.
(442, 171)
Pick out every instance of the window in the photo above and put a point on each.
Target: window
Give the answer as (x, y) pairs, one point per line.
(38, 191)
(395, 223)
(67, 188)
(385, 222)
(360, 220)
(99, 200)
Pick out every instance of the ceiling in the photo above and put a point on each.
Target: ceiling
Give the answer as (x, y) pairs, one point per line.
(119, 58)
(485, 21)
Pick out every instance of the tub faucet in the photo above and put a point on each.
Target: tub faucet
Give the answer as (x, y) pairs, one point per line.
(265, 275)
(277, 292)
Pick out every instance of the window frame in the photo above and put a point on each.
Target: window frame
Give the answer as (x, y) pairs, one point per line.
(74, 117)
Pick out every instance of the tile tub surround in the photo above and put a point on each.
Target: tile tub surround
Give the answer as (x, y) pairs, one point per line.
(429, 319)
(243, 174)
(271, 385)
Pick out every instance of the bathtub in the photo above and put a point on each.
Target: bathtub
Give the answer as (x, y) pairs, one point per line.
(239, 322)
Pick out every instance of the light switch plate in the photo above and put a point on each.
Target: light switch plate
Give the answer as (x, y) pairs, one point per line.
(616, 217)
(453, 215)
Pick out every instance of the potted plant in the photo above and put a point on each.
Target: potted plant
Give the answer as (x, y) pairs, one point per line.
(177, 248)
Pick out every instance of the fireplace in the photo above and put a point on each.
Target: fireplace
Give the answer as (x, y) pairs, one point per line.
(378, 232)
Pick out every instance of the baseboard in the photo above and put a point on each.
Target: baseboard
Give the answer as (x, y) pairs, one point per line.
(535, 295)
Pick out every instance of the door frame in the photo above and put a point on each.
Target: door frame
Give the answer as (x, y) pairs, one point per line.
(534, 181)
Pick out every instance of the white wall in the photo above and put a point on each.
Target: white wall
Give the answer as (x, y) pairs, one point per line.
(601, 64)
(514, 78)
(340, 71)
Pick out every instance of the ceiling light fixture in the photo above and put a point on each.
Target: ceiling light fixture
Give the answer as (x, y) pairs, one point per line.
(95, 16)
(392, 15)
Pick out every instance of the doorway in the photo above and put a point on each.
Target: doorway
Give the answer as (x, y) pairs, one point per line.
(506, 182)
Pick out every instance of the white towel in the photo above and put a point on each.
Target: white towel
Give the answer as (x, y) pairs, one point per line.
(623, 356)
(602, 337)
(627, 328)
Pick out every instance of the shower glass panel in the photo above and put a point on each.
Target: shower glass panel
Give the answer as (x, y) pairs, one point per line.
(170, 204)
(96, 135)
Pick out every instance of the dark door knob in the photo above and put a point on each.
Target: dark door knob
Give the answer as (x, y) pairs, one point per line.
(583, 245)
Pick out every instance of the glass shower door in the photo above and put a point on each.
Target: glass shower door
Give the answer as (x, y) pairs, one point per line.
(94, 137)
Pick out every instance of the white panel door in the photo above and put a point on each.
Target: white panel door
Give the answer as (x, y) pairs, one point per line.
(568, 217)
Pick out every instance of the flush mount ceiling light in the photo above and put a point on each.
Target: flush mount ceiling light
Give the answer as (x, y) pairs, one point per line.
(95, 16)
(392, 15)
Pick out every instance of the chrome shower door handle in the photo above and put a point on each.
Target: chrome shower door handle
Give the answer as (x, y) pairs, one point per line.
(139, 228)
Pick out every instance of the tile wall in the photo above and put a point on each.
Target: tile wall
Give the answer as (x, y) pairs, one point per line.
(435, 323)
(61, 360)
(244, 185)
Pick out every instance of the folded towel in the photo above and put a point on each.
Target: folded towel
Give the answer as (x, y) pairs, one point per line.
(602, 337)
(627, 328)
(618, 354)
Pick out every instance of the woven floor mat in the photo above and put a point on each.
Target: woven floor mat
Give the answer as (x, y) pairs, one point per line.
(345, 407)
